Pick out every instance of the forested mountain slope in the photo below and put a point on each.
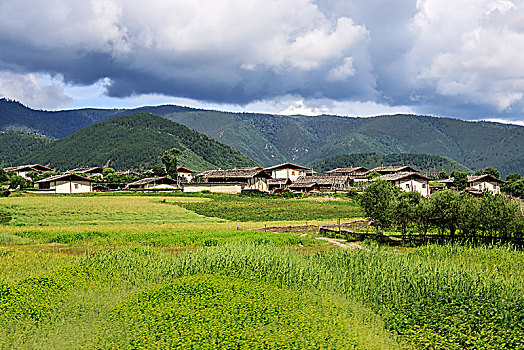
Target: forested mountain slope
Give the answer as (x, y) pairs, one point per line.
(15, 144)
(136, 141)
(425, 163)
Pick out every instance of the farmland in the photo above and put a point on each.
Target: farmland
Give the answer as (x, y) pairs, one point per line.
(167, 271)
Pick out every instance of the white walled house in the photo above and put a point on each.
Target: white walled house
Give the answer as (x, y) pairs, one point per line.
(484, 183)
(252, 178)
(22, 170)
(68, 183)
(409, 181)
(478, 184)
(154, 183)
(185, 174)
(288, 171)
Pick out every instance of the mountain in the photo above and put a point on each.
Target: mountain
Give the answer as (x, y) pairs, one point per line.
(136, 141)
(17, 144)
(272, 139)
(425, 163)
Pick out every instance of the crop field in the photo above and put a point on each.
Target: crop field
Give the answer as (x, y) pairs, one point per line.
(142, 272)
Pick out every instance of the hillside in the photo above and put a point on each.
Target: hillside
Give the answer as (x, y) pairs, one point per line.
(136, 141)
(15, 144)
(425, 163)
(271, 139)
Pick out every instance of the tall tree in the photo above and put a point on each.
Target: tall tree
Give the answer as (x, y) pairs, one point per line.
(170, 162)
(460, 180)
(378, 202)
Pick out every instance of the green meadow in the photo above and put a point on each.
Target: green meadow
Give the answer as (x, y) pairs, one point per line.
(170, 271)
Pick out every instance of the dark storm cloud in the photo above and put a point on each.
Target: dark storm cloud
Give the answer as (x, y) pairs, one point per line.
(436, 56)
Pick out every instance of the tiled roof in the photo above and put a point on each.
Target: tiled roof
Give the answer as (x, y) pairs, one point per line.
(401, 175)
(64, 177)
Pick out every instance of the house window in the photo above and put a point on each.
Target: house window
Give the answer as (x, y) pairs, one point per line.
(407, 186)
(423, 185)
(292, 173)
(76, 186)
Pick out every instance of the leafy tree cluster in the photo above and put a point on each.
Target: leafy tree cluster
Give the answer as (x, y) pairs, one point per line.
(514, 185)
(489, 171)
(445, 211)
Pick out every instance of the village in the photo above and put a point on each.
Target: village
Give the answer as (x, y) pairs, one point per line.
(286, 177)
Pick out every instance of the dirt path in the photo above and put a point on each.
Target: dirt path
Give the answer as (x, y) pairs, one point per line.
(341, 243)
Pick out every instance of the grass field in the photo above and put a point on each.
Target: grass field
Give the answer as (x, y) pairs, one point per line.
(116, 272)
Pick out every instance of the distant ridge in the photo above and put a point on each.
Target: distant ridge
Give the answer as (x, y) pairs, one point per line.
(272, 139)
(136, 141)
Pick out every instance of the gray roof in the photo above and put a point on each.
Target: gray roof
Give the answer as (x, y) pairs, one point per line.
(68, 177)
(402, 175)
(321, 180)
(394, 168)
(85, 170)
(29, 166)
(285, 181)
(149, 180)
(287, 166)
(348, 170)
(474, 178)
(237, 173)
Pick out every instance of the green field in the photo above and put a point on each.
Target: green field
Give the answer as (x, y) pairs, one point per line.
(162, 271)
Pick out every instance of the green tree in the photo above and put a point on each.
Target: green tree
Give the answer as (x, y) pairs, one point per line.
(3, 175)
(468, 214)
(32, 174)
(460, 180)
(108, 171)
(158, 171)
(498, 214)
(405, 210)
(378, 202)
(170, 162)
(443, 175)
(424, 218)
(492, 171)
(445, 210)
(17, 182)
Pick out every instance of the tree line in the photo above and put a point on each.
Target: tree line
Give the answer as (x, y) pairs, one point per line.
(445, 212)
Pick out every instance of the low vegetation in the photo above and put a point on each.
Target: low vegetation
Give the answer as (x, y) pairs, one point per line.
(134, 271)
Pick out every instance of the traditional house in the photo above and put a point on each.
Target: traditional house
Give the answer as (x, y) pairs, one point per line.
(96, 171)
(185, 174)
(321, 183)
(22, 170)
(356, 173)
(288, 171)
(273, 184)
(478, 183)
(409, 181)
(154, 183)
(252, 178)
(384, 170)
(67, 183)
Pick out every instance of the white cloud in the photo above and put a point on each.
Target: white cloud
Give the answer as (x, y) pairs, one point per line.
(473, 50)
(32, 92)
(342, 72)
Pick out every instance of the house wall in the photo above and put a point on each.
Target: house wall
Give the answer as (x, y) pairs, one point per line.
(187, 176)
(257, 184)
(418, 185)
(71, 187)
(152, 186)
(493, 187)
(224, 188)
(286, 173)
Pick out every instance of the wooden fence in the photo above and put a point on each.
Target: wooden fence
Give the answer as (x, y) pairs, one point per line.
(417, 240)
(306, 227)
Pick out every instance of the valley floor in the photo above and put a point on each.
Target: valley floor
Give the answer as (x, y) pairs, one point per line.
(161, 271)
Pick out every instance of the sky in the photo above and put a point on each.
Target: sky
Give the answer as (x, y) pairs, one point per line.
(457, 58)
